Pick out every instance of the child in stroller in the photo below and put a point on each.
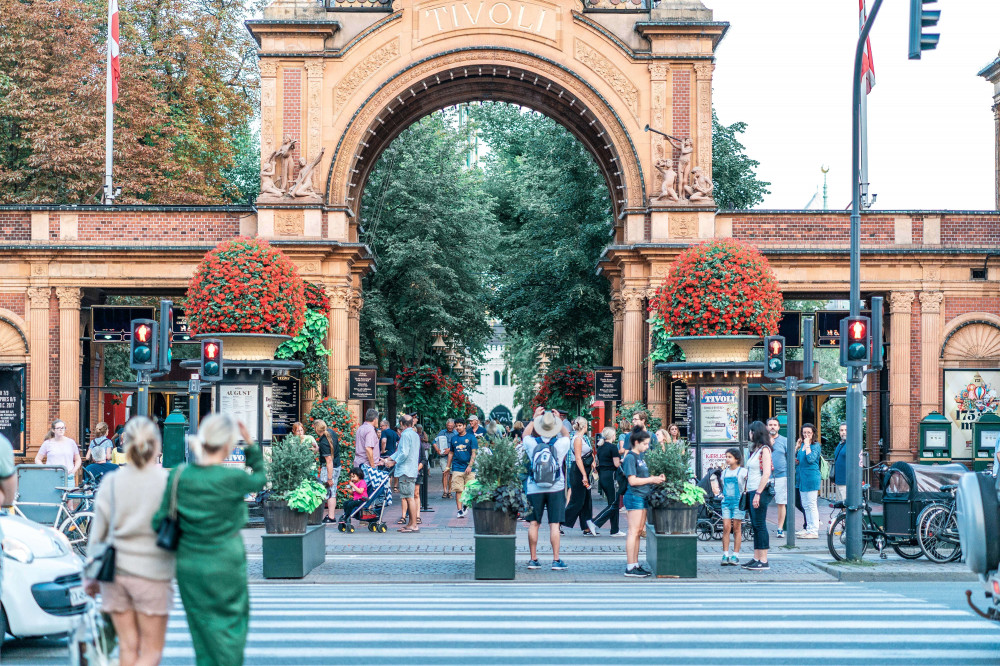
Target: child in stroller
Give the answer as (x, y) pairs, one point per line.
(369, 497)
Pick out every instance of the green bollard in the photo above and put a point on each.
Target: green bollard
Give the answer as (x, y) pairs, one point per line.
(174, 433)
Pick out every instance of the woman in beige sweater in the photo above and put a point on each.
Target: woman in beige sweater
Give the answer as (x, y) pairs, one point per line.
(140, 597)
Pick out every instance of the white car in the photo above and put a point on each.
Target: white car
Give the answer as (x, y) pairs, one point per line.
(40, 570)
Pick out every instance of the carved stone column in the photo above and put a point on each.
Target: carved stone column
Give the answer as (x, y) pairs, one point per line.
(268, 107)
(930, 346)
(617, 306)
(632, 345)
(702, 127)
(354, 305)
(658, 385)
(900, 309)
(660, 103)
(314, 110)
(69, 358)
(337, 342)
(38, 348)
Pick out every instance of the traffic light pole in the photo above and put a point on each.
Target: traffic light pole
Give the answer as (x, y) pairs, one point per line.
(854, 399)
(142, 393)
(791, 408)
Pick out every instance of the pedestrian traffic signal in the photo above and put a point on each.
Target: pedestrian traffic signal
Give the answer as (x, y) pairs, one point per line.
(921, 18)
(211, 360)
(166, 335)
(774, 355)
(142, 350)
(855, 342)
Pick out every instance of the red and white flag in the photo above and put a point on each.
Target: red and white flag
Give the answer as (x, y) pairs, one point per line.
(867, 64)
(116, 72)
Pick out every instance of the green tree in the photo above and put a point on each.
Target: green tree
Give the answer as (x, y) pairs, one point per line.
(733, 172)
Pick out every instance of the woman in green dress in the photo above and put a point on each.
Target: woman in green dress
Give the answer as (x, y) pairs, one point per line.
(211, 561)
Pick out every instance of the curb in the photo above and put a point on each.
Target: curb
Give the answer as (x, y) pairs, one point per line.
(851, 574)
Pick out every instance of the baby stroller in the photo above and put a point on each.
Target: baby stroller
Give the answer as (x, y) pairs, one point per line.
(710, 513)
(371, 510)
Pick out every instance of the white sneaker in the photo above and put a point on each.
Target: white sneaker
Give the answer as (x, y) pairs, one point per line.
(460, 514)
(810, 535)
(619, 533)
(592, 526)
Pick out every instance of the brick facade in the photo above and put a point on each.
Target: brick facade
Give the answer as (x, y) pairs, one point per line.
(14, 303)
(15, 225)
(681, 105)
(54, 360)
(915, 379)
(291, 110)
(159, 226)
(982, 230)
(795, 230)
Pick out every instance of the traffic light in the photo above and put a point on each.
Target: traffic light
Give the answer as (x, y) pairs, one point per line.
(921, 18)
(774, 357)
(166, 335)
(211, 360)
(855, 342)
(142, 349)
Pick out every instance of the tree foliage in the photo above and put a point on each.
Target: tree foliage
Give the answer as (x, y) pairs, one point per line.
(733, 172)
(189, 83)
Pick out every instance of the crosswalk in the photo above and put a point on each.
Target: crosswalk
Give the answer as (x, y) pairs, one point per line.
(676, 623)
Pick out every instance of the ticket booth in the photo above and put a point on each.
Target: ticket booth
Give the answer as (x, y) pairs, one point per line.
(985, 436)
(935, 439)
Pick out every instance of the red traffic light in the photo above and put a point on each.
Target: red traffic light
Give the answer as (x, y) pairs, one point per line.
(143, 333)
(775, 347)
(211, 351)
(857, 330)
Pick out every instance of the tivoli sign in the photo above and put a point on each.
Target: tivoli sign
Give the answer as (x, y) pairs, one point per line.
(527, 18)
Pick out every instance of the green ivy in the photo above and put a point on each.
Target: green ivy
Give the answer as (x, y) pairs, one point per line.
(308, 347)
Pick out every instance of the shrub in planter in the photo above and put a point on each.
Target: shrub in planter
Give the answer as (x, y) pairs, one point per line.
(292, 465)
(244, 285)
(673, 503)
(497, 496)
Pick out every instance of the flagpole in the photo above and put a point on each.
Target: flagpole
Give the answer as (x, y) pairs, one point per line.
(109, 124)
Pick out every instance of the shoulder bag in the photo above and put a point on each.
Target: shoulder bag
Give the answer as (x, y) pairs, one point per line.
(100, 565)
(743, 496)
(168, 535)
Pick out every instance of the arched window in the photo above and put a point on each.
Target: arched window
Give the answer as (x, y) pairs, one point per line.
(496, 378)
(505, 378)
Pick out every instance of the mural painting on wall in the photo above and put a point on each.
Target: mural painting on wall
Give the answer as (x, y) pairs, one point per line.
(968, 394)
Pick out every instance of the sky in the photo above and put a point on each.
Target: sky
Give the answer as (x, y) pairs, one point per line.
(785, 69)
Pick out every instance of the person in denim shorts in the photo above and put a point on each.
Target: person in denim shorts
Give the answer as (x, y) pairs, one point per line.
(734, 481)
(639, 484)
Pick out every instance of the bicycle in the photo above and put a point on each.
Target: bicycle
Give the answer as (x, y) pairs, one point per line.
(937, 529)
(871, 533)
(74, 524)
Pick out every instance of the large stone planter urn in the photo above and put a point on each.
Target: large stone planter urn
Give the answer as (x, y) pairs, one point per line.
(709, 349)
(675, 518)
(487, 519)
(279, 518)
(247, 346)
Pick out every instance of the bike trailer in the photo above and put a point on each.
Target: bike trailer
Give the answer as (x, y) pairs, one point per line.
(909, 488)
(37, 495)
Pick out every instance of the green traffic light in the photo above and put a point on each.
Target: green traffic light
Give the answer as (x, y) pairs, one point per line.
(142, 354)
(774, 365)
(857, 351)
(211, 368)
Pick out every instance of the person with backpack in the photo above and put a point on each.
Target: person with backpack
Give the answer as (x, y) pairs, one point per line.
(807, 459)
(546, 443)
(639, 484)
(759, 492)
(581, 502)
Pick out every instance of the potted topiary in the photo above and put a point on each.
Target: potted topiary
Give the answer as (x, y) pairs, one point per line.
(719, 299)
(672, 546)
(292, 497)
(248, 294)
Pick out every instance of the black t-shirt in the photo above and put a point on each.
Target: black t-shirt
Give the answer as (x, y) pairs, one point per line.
(391, 441)
(328, 445)
(607, 453)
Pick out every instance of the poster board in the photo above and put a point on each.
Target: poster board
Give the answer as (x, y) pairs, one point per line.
(967, 395)
(241, 400)
(12, 388)
(718, 415)
(608, 384)
(361, 382)
(285, 405)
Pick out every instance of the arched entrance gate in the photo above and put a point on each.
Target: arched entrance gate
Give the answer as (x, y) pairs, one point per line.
(340, 82)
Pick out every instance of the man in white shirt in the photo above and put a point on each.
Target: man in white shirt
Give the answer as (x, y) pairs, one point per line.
(546, 443)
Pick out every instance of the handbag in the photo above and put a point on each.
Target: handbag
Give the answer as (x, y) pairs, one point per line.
(168, 534)
(100, 566)
(744, 502)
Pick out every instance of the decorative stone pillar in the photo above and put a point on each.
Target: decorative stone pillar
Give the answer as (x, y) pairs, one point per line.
(658, 384)
(268, 107)
(69, 358)
(314, 110)
(930, 346)
(354, 305)
(660, 103)
(632, 345)
(900, 309)
(617, 306)
(38, 348)
(702, 130)
(337, 342)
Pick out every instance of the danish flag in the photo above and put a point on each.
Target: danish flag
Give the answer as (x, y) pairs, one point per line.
(867, 64)
(116, 72)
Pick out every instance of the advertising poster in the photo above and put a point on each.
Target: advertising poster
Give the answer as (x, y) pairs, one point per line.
(968, 394)
(240, 400)
(719, 412)
(12, 406)
(713, 457)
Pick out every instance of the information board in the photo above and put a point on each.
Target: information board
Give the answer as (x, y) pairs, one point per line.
(12, 406)
(679, 406)
(285, 404)
(608, 384)
(361, 382)
(240, 400)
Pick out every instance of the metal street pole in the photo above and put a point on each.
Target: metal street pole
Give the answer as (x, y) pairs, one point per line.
(142, 393)
(854, 399)
(791, 408)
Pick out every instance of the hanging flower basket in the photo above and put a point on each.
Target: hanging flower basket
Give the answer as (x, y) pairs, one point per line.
(247, 346)
(715, 348)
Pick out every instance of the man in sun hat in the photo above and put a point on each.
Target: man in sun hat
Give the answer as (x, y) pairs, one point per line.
(546, 443)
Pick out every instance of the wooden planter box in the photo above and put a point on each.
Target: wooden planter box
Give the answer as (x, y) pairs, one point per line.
(294, 555)
(672, 555)
(495, 556)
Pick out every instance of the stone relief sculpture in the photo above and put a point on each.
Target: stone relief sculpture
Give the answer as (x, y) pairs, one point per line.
(683, 183)
(276, 180)
(667, 189)
(287, 162)
(701, 186)
(267, 186)
(686, 146)
(302, 187)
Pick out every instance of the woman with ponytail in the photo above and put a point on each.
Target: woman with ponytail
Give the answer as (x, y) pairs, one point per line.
(211, 560)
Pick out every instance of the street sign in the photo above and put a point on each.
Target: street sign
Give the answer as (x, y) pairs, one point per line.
(361, 382)
(113, 323)
(608, 384)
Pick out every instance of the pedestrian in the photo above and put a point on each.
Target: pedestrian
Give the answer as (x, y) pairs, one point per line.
(211, 560)
(140, 596)
(404, 462)
(581, 503)
(8, 476)
(662, 438)
(608, 463)
(389, 440)
(474, 427)
(839, 472)
(366, 442)
(100, 466)
(807, 475)
(639, 484)
(546, 445)
(461, 458)
(423, 471)
(100, 441)
(442, 445)
(759, 491)
(779, 448)
(673, 433)
(516, 431)
(358, 488)
(328, 446)
(59, 450)
(734, 486)
(639, 419)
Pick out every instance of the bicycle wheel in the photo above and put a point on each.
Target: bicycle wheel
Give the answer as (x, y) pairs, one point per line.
(76, 528)
(836, 538)
(908, 550)
(937, 533)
